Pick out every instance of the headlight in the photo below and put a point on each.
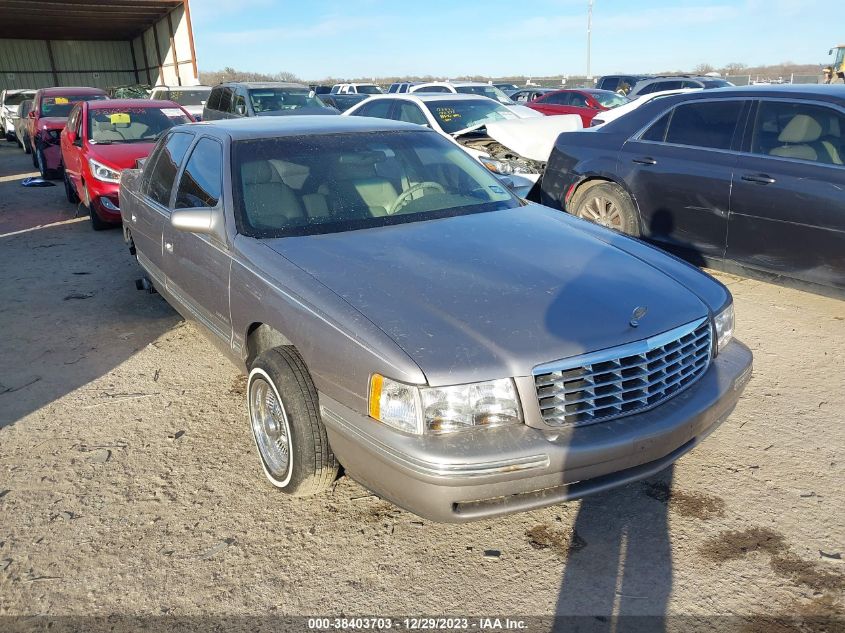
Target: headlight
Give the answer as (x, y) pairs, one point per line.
(103, 173)
(506, 167)
(724, 324)
(443, 409)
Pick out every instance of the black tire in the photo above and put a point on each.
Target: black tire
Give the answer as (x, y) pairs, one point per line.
(26, 146)
(96, 223)
(34, 157)
(311, 467)
(18, 141)
(70, 192)
(609, 205)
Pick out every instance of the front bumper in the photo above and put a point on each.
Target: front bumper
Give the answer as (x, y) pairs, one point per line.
(104, 200)
(491, 472)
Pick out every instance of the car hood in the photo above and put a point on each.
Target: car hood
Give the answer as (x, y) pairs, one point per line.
(524, 113)
(493, 294)
(120, 155)
(533, 138)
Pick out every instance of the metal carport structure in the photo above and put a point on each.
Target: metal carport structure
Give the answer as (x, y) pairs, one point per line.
(99, 43)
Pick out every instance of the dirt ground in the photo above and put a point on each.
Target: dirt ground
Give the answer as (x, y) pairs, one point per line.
(129, 483)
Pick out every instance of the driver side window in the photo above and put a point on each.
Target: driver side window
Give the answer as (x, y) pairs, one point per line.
(201, 184)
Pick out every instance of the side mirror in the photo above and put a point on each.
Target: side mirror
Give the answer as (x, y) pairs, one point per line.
(240, 109)
(201, 221)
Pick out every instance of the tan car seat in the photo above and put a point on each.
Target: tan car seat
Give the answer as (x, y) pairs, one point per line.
(801, 139)
(269, 204)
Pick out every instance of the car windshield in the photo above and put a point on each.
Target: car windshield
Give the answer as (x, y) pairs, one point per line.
(610, 99)
(280, 99)
(368, 89)
(109, 126)
(189, 97)
(17, 98)
(491, 92)
(457, 115)
(61, 105)
(331, 183)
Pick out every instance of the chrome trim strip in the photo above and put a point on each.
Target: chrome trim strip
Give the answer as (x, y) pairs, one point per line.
(439, 469)
(621, 351)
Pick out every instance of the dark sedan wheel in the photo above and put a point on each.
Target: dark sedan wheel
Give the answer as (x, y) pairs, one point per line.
(610, 206)
(26, 145)
(284, 416)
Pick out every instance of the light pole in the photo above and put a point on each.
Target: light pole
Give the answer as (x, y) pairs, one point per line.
(589, 37)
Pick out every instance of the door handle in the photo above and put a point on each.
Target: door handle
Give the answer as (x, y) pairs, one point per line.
(761, 179)
(645, 160)
(168, 246)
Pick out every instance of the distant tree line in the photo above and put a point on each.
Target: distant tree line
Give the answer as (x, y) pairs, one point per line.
(784, 69)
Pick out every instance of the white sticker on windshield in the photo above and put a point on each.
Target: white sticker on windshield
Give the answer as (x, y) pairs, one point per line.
(172, 112)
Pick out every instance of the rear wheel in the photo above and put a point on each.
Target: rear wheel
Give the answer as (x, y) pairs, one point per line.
(284, 416)
(608, 205)
(26, 146)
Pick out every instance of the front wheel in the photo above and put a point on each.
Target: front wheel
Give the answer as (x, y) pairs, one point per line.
(609, 205)
(284, 416)
(26, 146)
(41, 163)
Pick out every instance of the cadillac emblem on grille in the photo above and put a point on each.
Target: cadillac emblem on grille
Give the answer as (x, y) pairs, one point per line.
(637, 315)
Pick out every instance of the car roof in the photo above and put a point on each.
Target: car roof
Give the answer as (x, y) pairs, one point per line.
(110, 104)
(277, 127)
(421, 95)
(80, 90)
(825, 92)
(263, 84)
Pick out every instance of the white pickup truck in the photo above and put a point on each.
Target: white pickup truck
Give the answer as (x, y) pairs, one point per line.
(355, 89)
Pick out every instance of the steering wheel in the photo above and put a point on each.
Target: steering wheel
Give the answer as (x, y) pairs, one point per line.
(405, 197)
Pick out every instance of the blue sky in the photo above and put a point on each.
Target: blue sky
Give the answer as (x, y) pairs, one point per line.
(496, 37)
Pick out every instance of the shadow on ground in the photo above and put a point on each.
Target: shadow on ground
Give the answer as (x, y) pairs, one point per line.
(70, 311)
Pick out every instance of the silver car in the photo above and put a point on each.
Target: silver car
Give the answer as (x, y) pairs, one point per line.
(398, 311)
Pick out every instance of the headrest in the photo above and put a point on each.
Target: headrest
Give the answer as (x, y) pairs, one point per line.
(801, 129)
(257, 173)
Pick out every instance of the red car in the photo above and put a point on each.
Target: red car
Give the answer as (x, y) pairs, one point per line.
(587, 103)
(50, 109)
(102, 138)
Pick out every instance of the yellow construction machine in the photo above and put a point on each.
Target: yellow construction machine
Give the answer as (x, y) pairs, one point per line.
(835, 72)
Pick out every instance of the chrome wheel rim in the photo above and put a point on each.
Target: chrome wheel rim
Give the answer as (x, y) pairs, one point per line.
(602, 211)
(270, 427)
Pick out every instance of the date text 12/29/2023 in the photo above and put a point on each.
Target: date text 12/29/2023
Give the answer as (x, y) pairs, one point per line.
(416, 624)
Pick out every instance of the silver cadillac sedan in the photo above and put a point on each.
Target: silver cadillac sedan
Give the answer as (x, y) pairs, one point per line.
(399, 312)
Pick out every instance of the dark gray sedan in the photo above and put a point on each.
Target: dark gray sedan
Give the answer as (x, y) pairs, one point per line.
(459, 351)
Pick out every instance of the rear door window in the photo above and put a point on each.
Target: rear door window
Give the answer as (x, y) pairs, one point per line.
(561, 98)
(411, 113)
(709, 124)
(201, 184)
(214, 99)
(380, 109)
(225, 100)
(163, 173)
(801, 131)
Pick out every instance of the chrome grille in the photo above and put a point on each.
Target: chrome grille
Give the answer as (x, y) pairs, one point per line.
(622, 380)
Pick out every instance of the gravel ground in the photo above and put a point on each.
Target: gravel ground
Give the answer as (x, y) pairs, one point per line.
(129, 483)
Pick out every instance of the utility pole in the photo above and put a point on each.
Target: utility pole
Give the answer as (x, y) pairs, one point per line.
(589, 37)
